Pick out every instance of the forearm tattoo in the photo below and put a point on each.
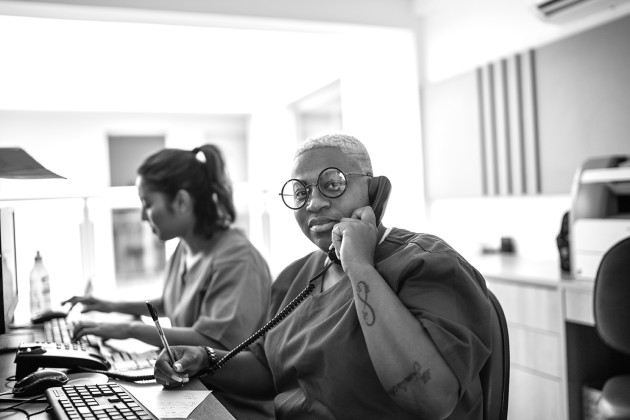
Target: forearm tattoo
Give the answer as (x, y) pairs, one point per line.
(368, 313)
(416, 375)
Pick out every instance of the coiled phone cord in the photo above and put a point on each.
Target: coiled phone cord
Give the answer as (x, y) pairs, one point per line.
(290, 307)
(268, 326)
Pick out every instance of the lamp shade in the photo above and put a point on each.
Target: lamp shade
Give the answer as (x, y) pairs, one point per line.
(15, 163)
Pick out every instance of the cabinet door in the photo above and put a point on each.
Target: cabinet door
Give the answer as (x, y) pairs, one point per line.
(578, 306)
(534, 321)
(534, 396)
(529, 306)
(535, 350)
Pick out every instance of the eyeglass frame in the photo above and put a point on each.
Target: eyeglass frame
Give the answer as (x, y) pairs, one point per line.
(309, 193)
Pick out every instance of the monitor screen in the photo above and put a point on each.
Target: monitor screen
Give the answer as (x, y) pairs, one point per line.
(9, 291)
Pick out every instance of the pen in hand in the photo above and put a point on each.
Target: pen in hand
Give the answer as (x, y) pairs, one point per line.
(167, 348)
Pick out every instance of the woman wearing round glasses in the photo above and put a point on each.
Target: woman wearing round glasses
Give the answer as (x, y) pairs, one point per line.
(400, 329)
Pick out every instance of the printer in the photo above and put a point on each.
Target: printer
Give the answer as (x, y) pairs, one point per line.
(600, 211)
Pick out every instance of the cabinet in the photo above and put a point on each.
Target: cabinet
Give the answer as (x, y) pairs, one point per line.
(534, 317)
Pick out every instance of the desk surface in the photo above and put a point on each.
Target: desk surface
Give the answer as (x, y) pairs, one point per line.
(518, 269)
(210, 408)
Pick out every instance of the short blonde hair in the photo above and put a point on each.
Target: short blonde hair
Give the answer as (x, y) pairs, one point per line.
(348, 145)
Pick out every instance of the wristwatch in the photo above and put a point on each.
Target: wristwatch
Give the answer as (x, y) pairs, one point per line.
(212, 356)
(212, 360)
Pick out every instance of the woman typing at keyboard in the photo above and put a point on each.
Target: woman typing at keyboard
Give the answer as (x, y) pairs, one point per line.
(217, 287)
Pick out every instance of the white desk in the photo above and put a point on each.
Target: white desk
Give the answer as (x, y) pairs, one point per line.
(554, 347)
(210, 408)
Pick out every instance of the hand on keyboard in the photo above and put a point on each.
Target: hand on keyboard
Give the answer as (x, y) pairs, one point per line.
(89, 304)
(61, 331)
(105, 330)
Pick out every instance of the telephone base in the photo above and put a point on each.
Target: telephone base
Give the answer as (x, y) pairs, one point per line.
(31, 356)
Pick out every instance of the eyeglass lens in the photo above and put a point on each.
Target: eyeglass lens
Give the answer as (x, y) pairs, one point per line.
(331, 183)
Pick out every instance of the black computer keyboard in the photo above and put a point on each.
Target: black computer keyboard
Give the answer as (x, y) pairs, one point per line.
(105, 401)
(60, 331)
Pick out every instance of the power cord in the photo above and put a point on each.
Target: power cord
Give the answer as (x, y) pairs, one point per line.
(14, 407)
(119, 376)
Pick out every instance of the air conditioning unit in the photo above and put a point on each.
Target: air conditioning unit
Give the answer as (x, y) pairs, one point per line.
(565, 10)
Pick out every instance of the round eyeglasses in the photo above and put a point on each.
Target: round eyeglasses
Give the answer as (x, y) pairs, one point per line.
(331, 183)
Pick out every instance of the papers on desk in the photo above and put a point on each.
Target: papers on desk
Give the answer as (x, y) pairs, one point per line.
(167, 404)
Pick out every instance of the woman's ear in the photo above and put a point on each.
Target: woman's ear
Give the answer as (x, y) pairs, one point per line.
(183, 201)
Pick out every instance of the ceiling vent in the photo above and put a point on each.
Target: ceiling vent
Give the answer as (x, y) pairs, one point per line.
(565, 10)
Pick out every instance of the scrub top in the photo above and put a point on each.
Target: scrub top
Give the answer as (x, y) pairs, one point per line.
(318, 357)
(224, 296)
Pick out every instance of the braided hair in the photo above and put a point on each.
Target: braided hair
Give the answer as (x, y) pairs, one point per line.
(201, 172)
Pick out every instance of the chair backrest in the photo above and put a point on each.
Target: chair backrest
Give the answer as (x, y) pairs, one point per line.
(495, 375)
(611, 297)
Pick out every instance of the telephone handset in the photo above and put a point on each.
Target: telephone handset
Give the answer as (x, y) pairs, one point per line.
(378, 192)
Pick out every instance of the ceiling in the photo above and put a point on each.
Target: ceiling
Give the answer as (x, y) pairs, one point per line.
(66, 56)
(56, 64)
(235, 56)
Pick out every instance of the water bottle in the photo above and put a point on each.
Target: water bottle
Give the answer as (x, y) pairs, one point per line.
(40, 287)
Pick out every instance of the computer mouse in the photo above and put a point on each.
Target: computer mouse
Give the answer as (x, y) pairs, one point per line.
(42, 317)
(38, 382)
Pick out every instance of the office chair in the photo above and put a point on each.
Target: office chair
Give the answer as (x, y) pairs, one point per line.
(495, 375)
(611, 307)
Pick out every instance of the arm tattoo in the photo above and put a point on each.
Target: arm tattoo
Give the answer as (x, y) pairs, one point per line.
(414, 376)
(368, 313)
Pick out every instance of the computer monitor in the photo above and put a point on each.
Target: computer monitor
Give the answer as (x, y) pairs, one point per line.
(9, 291)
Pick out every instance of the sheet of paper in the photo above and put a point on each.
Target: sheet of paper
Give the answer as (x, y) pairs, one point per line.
(167, 404)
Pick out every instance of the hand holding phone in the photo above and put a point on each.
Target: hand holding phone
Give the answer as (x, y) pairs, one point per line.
(379, 191)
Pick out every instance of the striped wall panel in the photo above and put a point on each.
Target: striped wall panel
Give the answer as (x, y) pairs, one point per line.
(508, 126)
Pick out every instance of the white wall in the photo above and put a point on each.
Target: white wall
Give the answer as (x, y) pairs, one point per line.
(74, 144)
(378, 77)
(460, 35)
(470, 224)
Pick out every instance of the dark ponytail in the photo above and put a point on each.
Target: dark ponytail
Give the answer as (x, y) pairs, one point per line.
(202, 173)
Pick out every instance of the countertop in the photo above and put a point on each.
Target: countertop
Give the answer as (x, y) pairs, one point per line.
(513, 267)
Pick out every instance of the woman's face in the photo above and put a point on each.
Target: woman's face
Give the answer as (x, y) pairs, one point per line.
(158, 211)
(320, 214)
